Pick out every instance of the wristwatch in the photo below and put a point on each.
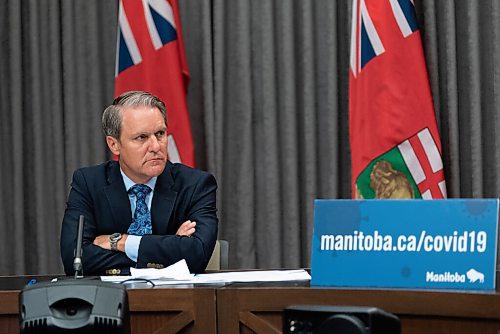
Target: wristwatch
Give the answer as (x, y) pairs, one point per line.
(113, 240)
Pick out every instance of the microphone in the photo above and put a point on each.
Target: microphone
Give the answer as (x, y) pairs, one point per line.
(77, 262)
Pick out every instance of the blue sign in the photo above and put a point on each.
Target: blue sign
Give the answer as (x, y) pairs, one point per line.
(432, 244)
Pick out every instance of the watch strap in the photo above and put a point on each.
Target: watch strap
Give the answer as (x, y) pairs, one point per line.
(113, 241)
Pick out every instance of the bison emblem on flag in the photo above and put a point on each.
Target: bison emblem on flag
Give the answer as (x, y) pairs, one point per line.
(412, 169)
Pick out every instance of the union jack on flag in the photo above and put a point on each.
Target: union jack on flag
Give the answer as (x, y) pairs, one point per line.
(150, 56)
(395, 144)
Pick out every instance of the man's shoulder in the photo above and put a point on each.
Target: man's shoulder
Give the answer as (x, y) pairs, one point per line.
(182, 176)
(100, 172)
(178, 170)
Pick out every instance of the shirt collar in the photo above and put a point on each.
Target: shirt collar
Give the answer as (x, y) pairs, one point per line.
(129, 183)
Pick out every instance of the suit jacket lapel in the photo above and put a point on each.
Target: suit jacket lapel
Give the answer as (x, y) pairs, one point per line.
(163, 201)
(118, 199)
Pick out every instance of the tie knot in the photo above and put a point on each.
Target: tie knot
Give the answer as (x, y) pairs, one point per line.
(140, 190)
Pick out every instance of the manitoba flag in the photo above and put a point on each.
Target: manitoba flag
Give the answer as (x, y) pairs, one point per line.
(395, 144)
(150, 57)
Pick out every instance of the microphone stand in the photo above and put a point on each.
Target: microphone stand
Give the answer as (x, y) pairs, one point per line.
(77, 262)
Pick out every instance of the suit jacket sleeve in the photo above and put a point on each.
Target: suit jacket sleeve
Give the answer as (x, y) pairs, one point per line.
(95, 260)
(195, 201)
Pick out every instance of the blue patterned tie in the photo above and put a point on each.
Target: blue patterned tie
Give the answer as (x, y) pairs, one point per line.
(141, 222)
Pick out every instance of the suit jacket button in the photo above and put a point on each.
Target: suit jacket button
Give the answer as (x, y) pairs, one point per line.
(113, 271)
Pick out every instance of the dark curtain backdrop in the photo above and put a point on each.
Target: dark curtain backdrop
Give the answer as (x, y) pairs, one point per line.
(268, 105)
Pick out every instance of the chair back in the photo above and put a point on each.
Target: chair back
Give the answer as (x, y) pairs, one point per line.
(219, 259)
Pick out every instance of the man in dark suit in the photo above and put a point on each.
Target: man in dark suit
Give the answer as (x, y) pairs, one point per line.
(142, 210)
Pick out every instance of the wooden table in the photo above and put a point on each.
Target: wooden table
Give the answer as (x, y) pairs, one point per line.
(170, 310)
(258, 309)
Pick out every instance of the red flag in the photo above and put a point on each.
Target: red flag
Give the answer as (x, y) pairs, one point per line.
(150, 56)
(395, 144)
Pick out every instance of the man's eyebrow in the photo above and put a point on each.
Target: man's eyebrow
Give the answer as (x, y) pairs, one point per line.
(138, 133)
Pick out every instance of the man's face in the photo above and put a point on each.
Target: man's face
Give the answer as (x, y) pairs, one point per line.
(142, 148)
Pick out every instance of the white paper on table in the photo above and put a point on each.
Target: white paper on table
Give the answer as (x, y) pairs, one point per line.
(244, 277)
(255, 276)
(178, 273)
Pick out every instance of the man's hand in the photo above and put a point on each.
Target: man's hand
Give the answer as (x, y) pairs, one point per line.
(103, 242)
(186, 229)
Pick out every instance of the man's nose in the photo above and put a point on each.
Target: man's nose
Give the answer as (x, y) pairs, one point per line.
(154, 144)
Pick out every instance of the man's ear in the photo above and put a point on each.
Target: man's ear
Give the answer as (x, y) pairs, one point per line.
(113, 144)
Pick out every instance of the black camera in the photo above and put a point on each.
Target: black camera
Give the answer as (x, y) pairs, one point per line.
(318, 319)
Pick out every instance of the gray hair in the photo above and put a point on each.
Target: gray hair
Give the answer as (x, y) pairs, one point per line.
(112, 116)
